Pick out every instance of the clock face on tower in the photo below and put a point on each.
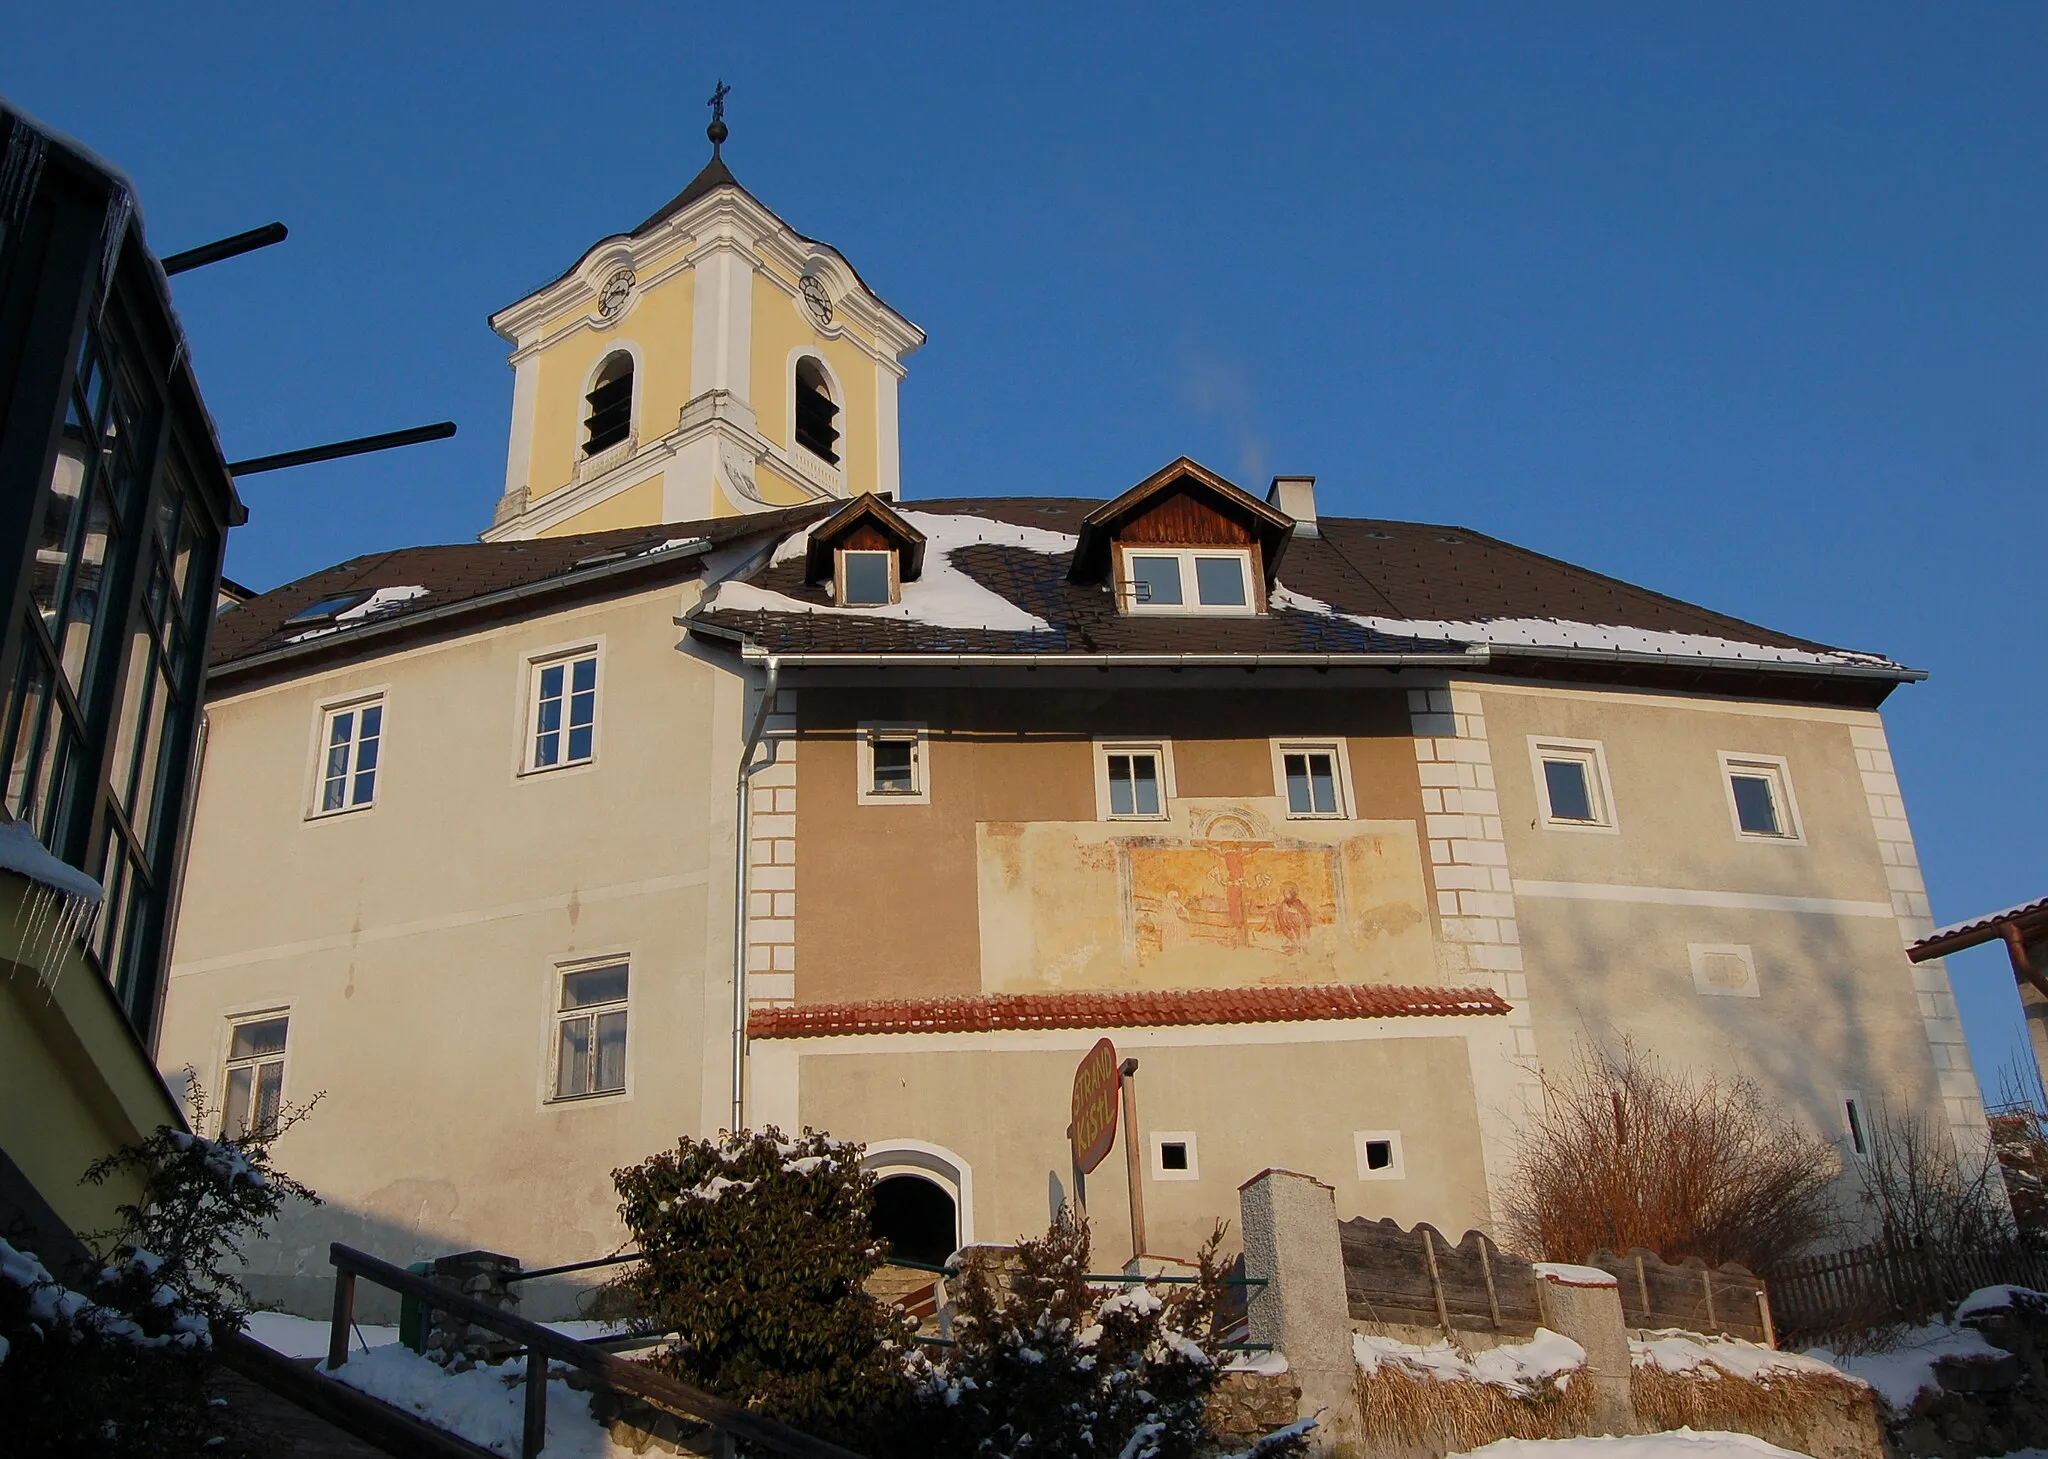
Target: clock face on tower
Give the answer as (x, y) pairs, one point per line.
(617, 289)
(817, 300)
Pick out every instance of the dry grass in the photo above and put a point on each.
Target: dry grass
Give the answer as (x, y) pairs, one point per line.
(1808, 1413)
(1409, 1410)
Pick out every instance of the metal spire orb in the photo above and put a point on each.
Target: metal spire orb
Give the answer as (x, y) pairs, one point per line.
(716, 131)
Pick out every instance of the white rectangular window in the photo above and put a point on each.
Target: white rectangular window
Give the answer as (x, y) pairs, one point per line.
(892, 765)
(1188, 580)
(1131, 782)
(866, 577)
(590, 1032)
(1312, 777)
(1760, 797)
(1379, 1154)
(350, 737)
(255, 1077)
(1572, 790)
(564, 720)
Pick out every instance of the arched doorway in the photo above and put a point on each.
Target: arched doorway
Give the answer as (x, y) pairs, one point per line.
(916, 1218)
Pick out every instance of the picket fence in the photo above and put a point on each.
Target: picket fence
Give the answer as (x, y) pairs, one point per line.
(1850, 1292)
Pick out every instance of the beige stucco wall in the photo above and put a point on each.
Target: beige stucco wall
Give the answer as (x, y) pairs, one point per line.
(415, 943)
(780, 329)
(1606, 926)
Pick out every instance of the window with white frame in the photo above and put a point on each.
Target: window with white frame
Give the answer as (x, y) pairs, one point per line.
(1188, 580)
(1572, 789)
(564, 720)
(1312, 778)
(1379, 1154)
(867, 577)
(1760, 797)
(590, 1032)
(350, 738)
(254, 1090)
(1131, 781)
(892, 765)
(1174, 1156)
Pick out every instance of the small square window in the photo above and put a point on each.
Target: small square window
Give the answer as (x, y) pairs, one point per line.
(351, 738)
(865, 578)
(590, 1032)
(1379, 1154)
(1571, 784)
(1760, 797)
(1134, 784)
(1311, 780)
(564, 712)
(1174, 1156)
(892, 765)
(254, 1092)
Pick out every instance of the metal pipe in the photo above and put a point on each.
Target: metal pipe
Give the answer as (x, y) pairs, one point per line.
(360, 446)
(742, 825)
(221, 248)
(1134, 1161)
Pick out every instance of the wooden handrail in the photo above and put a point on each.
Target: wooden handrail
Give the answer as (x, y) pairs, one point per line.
(543, 1343)
(353, 1412)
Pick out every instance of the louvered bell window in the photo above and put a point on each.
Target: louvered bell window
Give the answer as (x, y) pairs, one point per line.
(815, 413)
(611, 406)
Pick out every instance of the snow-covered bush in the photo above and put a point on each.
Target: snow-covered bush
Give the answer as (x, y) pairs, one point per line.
(755, 1250)
(1046, 1362)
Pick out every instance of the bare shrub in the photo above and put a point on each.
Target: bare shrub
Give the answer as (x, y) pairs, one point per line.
(1923, 1193)
(1628, 1152)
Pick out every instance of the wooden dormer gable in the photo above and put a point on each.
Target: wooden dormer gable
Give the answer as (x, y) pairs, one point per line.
(867, 524)
(1182, 505)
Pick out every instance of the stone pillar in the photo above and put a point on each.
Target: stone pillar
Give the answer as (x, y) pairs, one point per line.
(455, 1343)
(1583, 1303)
(1290, 1240)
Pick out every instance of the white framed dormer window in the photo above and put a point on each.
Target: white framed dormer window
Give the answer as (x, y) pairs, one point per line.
(892, 764)
(1760, 802)
(1573, 792)
(1133, 780)
(1174, 1155)
(1199, 580)
(590, 1030)
(562, 711)
(1313, 778)
(1379, 1154)
(351, 744)
(866, 577)
(253, 1091)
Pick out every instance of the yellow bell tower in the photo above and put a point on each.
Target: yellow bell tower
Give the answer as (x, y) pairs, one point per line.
(711, 362)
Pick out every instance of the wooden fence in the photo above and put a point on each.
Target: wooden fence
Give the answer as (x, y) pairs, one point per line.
(1847, 1292)
(1419, 1278)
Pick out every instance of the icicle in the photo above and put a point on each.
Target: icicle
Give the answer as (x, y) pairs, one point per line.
(120, 211)
(21, 169)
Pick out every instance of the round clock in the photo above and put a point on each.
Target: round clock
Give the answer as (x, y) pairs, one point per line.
(612, 298)
(817, 300)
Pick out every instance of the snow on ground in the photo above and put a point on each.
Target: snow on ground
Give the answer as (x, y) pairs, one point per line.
(1904, 1369)
(1266, 1365)
(1676, 1351)
(1994, 1299)
(480, 1404)
(1675, 1444)
(1517, 1367)
(306, 1337)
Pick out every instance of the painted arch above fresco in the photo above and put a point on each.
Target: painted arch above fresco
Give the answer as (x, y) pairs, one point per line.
(1225, 894)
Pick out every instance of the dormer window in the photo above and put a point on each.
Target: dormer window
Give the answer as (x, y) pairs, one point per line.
(611, 405)
(867, 577)
(816, 411)
(1186, 580)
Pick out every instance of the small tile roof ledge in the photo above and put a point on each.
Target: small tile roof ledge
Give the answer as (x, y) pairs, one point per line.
(991, 1012)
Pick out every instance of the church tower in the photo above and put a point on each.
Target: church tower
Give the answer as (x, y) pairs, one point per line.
(711, 362)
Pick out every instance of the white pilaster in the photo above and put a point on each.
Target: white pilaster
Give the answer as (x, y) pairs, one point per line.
(888, 469)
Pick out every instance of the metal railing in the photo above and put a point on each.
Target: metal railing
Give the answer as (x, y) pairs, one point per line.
(543, 1344)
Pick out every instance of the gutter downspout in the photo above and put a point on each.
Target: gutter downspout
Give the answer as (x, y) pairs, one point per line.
(742, 849)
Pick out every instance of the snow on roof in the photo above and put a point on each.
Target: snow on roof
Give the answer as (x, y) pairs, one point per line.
(1516, 1367)
(942, 596)
(1984, 923)
(23, 854)
(383, 600)
(1563, 633)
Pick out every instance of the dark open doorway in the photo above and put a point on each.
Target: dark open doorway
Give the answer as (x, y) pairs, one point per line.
(915, 1217)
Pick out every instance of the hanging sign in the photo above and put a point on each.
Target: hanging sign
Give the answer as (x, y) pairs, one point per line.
(1096, 1086)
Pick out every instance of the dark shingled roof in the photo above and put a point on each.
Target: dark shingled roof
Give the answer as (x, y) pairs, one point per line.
(464, 571)
(1407, 570)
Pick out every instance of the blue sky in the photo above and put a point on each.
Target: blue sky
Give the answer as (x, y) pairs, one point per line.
(1745, 303)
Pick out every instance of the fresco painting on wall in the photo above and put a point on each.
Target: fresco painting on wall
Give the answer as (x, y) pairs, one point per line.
(1220, 896)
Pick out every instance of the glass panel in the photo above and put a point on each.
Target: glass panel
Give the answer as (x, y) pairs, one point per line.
(365, 787)
(594, 985)
(1322, 782)
(334, 778)
(235, 1113)
(269, 1096)
(136, 689)
(892, 767)
(1219, 581)
(1120, 802)
(1571, 797)
(867, 578)
(547, 738)
(253, 1040)
(83, 597)
(611, 1051)
(582, 707)
(1155, 579)
(61, 510)
(1756, 809)
(583, 676)
(1145, 783)
(148, 757)
(24, 727)
(572, 1058)
(1299, 799)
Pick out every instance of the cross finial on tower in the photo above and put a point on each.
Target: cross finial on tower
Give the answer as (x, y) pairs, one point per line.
(716, 131)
